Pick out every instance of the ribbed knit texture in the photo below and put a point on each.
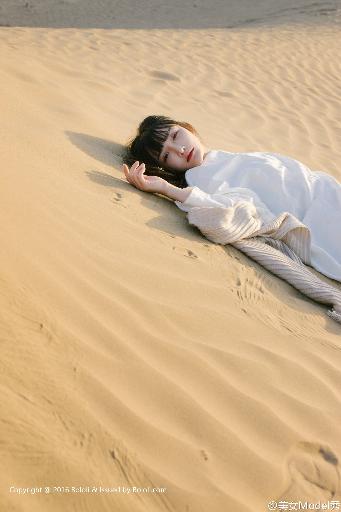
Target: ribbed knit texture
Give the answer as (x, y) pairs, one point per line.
(282, 246)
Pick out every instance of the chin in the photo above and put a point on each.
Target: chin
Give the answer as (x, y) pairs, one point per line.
(196, 162)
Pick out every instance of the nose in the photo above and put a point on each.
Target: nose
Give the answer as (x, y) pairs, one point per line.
(181, 149)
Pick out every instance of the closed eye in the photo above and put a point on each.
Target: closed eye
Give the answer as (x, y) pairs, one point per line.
(173, 137)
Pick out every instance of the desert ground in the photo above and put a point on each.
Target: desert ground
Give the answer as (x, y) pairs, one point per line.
(135, 353)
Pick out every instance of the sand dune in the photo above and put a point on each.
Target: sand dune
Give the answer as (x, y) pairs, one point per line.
(197, 14)
(133, 351)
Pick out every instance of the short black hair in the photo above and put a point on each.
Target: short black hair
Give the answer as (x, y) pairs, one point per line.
(147, 145)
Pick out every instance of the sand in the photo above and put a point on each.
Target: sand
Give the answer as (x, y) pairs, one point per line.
(134, 352)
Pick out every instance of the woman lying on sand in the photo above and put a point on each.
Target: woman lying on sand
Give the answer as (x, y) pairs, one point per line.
(176, 164)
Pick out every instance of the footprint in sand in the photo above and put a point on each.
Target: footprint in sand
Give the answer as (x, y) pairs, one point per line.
(118, 198)
(185, 252)
(190, 254)
(161, 75)
(224, 94)
(250, 289)
(313, 473)
(204, 455)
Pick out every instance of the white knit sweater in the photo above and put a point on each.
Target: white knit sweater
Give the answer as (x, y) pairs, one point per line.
(282, 246)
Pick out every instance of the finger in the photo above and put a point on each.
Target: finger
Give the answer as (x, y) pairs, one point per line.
(136, 174)
(131, 173)
(126, 172)
(136, 168)
(135, 165)
(137, 179)
(140, 175)
(132, 169)
(141, 168)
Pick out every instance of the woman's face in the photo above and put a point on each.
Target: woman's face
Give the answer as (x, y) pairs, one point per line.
(181, 150)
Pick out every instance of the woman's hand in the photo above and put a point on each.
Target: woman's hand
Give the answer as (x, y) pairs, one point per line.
(136, 177)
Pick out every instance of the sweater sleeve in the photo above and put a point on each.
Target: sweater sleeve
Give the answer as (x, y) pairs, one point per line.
(198, 198)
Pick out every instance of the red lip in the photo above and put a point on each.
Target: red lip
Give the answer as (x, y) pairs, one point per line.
(189, 156)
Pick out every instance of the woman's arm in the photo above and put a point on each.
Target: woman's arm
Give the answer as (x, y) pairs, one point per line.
(135, 176)
(176, 193)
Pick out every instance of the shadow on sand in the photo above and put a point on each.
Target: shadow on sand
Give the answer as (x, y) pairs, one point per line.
(156, 14)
